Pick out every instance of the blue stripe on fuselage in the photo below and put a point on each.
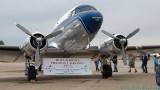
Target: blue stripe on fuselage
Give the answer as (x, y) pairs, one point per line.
(91, 20)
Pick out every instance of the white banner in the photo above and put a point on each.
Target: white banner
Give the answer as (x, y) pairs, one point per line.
(67, 66)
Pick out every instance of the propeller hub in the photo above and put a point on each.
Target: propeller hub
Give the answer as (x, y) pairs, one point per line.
(123, 40)
(38, 40)
(120, 41)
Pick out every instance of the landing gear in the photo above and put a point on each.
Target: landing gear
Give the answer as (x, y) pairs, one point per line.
(30, 70)
(107, 71)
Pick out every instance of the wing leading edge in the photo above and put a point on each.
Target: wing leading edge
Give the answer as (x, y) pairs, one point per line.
(145, 48)
(13, 53)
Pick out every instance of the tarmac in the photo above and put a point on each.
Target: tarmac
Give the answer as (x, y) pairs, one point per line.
(12, 78)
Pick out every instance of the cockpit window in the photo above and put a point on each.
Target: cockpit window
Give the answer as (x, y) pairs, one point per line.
(83, 8)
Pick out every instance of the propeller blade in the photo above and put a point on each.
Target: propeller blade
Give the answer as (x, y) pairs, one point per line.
(53, 34)
(24, 29)
(133, 33)
(108, 34)
(37, 56)
(124, 54)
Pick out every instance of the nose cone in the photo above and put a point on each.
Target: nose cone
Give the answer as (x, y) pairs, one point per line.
(92, 20)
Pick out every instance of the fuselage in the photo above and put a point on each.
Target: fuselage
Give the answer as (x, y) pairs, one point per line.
(79, 26)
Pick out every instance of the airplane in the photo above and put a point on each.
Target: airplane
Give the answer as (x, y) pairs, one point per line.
(72, 33)
(70, 37)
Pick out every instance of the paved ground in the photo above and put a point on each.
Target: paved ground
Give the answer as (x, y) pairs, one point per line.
(12, 78)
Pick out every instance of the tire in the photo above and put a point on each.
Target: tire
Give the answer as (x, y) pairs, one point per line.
(107, 71)
(158, 75)
(31, 73)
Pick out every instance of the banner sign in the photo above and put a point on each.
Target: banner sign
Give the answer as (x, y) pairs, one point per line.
(67, 66)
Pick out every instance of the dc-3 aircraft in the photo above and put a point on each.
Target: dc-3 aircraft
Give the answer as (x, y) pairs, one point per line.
(70, 37)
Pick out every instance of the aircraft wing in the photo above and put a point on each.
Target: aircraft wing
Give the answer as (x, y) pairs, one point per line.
(54, 52)
(140, 49)
(13, 53)
(10, 53)
(10, 48)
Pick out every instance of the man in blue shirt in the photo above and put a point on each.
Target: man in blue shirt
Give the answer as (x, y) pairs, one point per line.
(144, 63)
(155, 61)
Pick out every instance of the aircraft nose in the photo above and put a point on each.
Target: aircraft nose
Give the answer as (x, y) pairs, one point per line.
(92, 20)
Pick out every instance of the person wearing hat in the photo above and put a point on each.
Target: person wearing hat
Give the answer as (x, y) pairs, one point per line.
(155, 61)
(132, 62)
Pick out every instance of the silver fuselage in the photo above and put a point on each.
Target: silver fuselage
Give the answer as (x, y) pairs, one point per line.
(78, 26)
(75, 35)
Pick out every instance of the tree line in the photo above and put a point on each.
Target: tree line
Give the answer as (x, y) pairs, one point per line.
(1, 42)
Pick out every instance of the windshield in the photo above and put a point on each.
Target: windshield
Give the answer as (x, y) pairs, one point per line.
(83, 8)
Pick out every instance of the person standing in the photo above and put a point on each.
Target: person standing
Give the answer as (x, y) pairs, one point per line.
(155, 62)
(114, 60)
(96, 61)
(144, 63)
(132, 63)
(157, 70)
(94, 58)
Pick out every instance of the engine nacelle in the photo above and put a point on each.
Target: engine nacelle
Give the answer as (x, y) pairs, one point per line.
(30, 45)
(113, 46)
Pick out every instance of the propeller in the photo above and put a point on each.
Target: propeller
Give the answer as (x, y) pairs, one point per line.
(110, 35)
(53, 34)
(38, 41)
(37, 56)
(123, 52)
(133, 33)
(122, 41)
(25, 30)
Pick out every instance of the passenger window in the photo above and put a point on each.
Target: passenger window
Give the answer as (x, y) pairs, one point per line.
(73, 13)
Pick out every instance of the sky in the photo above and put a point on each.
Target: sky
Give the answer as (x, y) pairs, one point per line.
(120, 16)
